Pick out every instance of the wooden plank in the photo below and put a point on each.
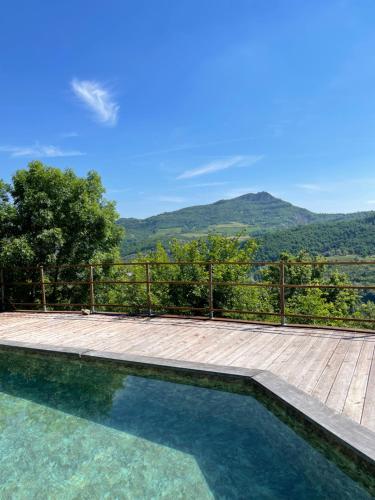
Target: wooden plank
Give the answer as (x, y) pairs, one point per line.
(257, 351)
(226, 344)
(368, 414)
(317, 363)
(296, 363)
(277, 349)
(355, 399)
(296, 343)
(339, 390)
(328, 375)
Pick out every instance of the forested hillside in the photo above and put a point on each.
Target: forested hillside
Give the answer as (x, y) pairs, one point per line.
(342, 237)
(279, 224)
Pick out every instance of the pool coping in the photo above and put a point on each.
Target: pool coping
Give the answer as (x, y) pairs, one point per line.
(354, 439)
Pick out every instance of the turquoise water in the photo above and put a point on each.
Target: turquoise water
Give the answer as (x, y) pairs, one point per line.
(86, 431)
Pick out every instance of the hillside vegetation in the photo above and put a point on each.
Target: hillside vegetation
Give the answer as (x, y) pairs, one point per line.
(279, 225)
(355, 236)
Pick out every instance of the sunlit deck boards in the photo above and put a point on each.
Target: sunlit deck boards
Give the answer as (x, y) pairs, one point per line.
(336, 367)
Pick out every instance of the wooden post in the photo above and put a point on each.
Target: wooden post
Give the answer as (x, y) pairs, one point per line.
(43, 289)
(282, 293)
(210, 291)
(92, 292)
(148, 285)
(2, 289)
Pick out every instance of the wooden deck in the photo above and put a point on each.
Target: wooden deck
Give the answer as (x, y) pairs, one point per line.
(336, 367)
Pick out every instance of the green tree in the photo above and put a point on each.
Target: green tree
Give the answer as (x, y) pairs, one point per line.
(215, 248)
(335, 302)
(52, 217)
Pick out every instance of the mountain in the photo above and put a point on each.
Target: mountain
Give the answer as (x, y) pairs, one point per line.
(355, 236)
(255, 214)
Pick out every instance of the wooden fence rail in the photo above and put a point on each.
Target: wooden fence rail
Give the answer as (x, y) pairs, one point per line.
(211, 283)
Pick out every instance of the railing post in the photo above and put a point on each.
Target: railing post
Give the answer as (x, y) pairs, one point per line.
(2, 289)
(148, 286)
(43, 289)
(282, 293)
(92, 292)
(210, 291)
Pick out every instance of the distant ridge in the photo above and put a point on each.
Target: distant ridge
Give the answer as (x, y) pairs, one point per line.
(256, 214)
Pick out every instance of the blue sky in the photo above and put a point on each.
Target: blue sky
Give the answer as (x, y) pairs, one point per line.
(177, 103)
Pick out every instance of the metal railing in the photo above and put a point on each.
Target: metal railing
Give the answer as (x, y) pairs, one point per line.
(151, 308)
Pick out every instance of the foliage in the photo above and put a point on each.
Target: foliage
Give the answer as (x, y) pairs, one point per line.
(334, 302)
(215, 248)
(52, 218)
(354, 236)
(166, 297)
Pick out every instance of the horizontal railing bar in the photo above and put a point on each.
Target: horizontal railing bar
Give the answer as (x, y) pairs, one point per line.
(200, 283)
(182, 308)
(242, 311)
(329, 262)
(158, 306)
(334, 318)
(355, 287)
(25, 304)
(254, 284)
(154, 306)
(119, 282)
(47, 304)
(204, 263)
(54, 304)
(125, 306)
(36, 283)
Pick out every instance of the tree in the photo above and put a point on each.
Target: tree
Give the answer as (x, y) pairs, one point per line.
(52, 217)
(214, 248)
(336, 302)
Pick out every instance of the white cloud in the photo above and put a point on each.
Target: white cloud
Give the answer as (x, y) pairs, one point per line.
(371, 202)
(186, 147)
(68, 135)
(205, 184)
(312, 187)
(121, 190)
(223, 164)
(170, 199)
(39, 151)
(98, 99)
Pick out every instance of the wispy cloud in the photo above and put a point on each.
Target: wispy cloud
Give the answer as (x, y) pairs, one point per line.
(171, 199)
(68, 135)
(39, 151)
(205, 184)
(187, 147)
(120, 190)
(312, 187)
(98, 99)
(370, 202)
(336, 185)
(222, 164)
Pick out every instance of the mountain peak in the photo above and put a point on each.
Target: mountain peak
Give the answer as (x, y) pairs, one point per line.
(260, 196)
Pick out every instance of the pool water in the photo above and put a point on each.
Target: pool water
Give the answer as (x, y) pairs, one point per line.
(72, 429)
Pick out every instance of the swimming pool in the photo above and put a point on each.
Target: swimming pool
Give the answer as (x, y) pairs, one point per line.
(78, 429)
